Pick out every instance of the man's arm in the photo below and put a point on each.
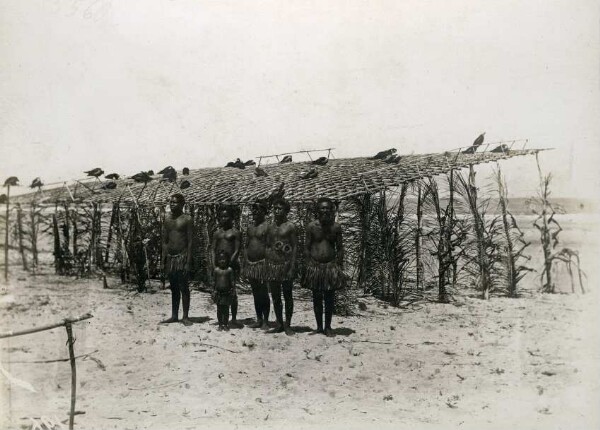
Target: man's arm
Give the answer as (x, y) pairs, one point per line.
(294, 243)
(339, 246)
(308, 242)
(164, 243)
(237, 239)
(213, 245)
(190, 236)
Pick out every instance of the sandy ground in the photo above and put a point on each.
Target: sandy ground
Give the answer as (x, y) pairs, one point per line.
(506, 363)
(528, 363)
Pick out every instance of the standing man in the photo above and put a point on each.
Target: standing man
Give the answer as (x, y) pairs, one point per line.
(177, 257)
(227, 239)
(282, 246)
(254, 267)
(324, 252)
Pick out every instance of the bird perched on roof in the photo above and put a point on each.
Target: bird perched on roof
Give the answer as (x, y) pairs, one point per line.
(312, 173)
(109, 185)
(142, 177)
(185, 184)
(286, 159)
(3, 198)
(503, 148)
(382, 155)
(276, 193)
(392, 159)
(476, 144)
(250, 163)
(150, 172)
(185, 171)
(260, 172)
(237, 164)
(36, 183)
(166, 169)
(95, 172)
(112, 176)
(13, 181)
(321, 161)
(170, 175)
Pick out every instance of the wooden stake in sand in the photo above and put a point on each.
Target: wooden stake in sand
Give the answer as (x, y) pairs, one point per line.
(68, 323)
(6, 236)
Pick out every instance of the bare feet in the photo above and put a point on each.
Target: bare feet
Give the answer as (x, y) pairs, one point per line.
(226, 327)
(220, 328)
(235, 324)
(289, 331)
(186, 321)
(257, 324)
(319, 330)
(170, 320)
(329, 332)
(265, 325)
(278, 329)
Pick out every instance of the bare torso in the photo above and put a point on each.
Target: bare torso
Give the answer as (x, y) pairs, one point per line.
(176, 230)
(223, 279)
(256, 246)
(226, 240)
(281, 242)
(322, 241)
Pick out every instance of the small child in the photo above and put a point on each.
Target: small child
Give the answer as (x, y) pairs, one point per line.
(224, 289)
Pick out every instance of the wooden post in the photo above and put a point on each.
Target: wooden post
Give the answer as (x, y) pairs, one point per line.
(418, 234)
(113, 216)
(34, 235)
(20, 236)
(6, 235)
(479, 231)
(69, 328)
(58, 263)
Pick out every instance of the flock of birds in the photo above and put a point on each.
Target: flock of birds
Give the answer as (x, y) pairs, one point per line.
(169, 174)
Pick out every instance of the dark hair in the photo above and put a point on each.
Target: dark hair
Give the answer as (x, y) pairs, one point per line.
(260, 204)
(325, 200)
(226, 208)
(179, 197)
(283, 202)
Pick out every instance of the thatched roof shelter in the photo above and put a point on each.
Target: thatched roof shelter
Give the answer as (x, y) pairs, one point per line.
(339, 179)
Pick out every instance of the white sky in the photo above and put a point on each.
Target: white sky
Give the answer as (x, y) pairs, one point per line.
(131, 85)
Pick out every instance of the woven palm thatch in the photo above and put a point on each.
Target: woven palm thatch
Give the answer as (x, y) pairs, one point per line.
(339, 179)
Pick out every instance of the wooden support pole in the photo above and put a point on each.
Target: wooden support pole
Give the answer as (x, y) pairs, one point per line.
(70, 341)
(6, 235)
(20, 236)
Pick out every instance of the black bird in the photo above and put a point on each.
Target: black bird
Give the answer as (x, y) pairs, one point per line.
(95, 172)
(3, 198)
(321, 161)
(109, 185)
(150, 172)
(112, 176)
(312, 173)
(250, 163)
(37, 183)
(276, 193)
(13, 181)
(185, 184)
(382, 155)
(143, 177)
(502, 148)
(166, 169)
(286, 159)
(237, 164)
(185, 171)
(392, 159)
(476, 144)
(260, 172)
(479, 139)
(170, 175)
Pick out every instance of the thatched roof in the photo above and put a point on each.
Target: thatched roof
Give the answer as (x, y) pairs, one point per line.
(339, 179)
